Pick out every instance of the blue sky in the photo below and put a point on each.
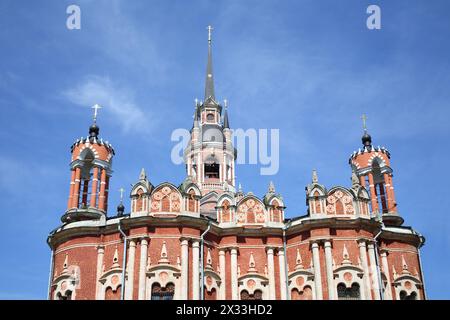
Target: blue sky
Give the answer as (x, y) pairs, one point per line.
(309, 68)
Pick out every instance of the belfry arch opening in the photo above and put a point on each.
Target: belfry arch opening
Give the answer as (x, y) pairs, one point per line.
(87, 174)
(212, 170)
(380, 186)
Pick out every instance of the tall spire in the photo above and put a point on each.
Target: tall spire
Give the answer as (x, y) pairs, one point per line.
(209, 85)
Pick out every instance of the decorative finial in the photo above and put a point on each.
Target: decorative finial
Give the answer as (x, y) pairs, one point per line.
(210, 29)
(142, 175)
(96, 107)
(164, 257)
(298, 260)
(196, 102)
(225, 103)
(208, 259)
(345, 256)
(115, 258)
(271, 187)
(315, 178)
(251, 263)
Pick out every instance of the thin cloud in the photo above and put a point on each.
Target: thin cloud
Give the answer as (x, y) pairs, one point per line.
(117, 100)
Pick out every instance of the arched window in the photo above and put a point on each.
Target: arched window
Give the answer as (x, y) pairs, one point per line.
(165, 204)
(67, 296)
(352, 293)
(379, 182)
(210, 117)
(113, 295)
(140, 201)
(405, 296)
(305, 294)
(191, 201)
(276, 217)
(166, 293)
(257, 295)
(226, 211)
(212, 295)
(317, 202)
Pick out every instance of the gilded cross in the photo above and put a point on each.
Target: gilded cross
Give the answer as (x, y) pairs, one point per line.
(364, 119)
(96, 107)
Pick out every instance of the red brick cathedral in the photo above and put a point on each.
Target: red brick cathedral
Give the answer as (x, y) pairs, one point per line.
(207, 239)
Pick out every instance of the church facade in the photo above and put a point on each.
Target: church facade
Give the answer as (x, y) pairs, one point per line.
(204, 238)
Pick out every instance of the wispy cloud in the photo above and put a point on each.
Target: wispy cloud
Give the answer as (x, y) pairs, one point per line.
(117, 100)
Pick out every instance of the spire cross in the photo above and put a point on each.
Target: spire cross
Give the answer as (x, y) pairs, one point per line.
(96, 107)
(122, 190)
(364, 119)
(209, 28)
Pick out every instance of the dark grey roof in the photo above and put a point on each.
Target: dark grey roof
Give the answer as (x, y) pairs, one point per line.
(226, 123)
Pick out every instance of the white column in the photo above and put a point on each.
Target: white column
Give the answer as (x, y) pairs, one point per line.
(184, 269)
(374, 271)
(282, 265)
(388, 291)
(100, 255)
(234, 275)
(271, 272)
(142, 269)
(223, 285)
(195, 270)
(129, 288)
(329, 266)
(317, 275)
(366, 276)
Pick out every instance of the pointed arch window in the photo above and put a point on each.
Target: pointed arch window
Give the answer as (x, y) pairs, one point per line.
(111, 294)
(210, 295)
(352, 293)
(159, 293)
(405, 296)
(257, 295)
(191, 201)
(66, 296)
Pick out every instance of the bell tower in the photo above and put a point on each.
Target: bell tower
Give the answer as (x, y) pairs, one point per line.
(372, 166)
(90, 168)
(210, 155)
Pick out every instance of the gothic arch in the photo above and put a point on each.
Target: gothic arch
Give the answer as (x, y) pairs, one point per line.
(226, 207)
(348, 275)
(301, 285)
(212, 282)
(276, 210)
(252, 283)
(407, 287)
(250, 210)
(166, 198)
(377, 158)
(163, 275)
(340, 201)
